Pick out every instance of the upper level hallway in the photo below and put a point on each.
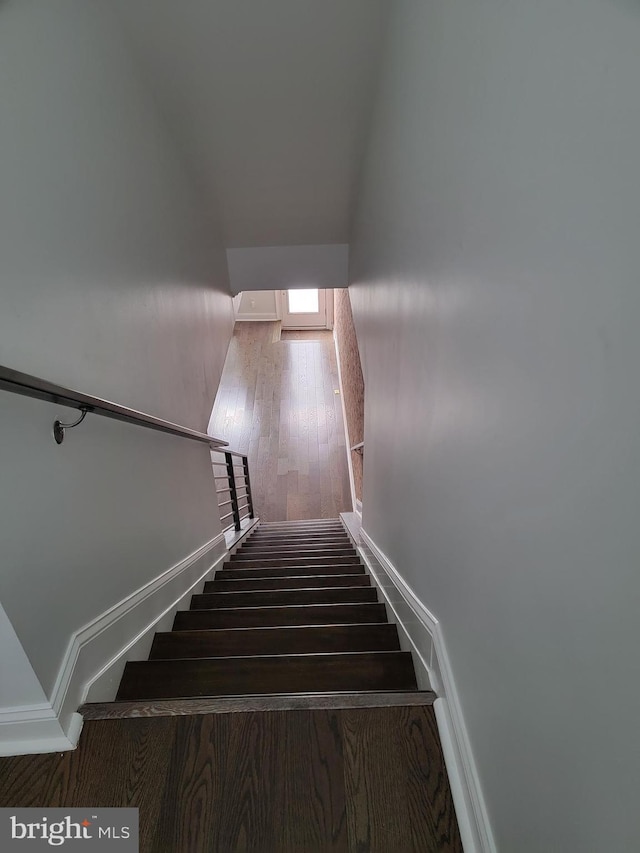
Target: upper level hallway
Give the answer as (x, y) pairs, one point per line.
(279, 401)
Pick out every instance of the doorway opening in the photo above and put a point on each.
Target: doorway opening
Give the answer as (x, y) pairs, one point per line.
(309, 308)
(291, 397)
(305, 308)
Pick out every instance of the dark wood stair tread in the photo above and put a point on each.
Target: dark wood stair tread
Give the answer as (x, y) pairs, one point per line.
(303, 522)
(292, 615)
(290, 561)
(328, 530)
(301, 531)
(268, 641)
(258, 617)
(291, 553)
(291, 571)
(294, 541)
(270, 597)
(249, 703)
(352, 671)
(221, 584)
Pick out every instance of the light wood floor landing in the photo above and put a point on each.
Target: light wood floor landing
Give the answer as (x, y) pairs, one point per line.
(277, 402)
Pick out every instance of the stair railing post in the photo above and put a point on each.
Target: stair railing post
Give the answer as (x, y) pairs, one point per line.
(245, 465)
(234, 491)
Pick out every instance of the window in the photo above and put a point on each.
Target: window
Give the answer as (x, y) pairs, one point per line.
(303, 301)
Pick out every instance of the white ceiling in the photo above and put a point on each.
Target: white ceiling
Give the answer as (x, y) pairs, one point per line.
(270, 100)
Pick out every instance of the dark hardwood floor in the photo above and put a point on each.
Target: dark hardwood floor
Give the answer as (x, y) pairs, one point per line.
(270, 782)
(277, 403)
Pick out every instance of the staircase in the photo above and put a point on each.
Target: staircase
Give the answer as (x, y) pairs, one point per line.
(291, 612)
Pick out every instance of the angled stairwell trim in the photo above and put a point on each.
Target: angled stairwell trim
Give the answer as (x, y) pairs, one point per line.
(97, 652)
(424, 634)
(352, 482)
(36, 729)
(28, 723)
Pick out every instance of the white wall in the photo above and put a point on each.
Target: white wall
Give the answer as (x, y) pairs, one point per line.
(494, 273)
(285, 267)
(271, 99)
(258, 305)
(112, 281)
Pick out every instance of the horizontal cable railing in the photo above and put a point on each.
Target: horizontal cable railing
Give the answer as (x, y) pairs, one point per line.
(235, 465)
(235, 491)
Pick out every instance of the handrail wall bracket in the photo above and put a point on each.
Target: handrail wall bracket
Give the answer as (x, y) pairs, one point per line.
(59, 428)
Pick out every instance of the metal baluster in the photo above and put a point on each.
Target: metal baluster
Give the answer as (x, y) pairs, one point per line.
(245, 465)
(234, 492)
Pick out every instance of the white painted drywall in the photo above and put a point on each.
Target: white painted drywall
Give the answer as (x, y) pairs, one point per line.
(19, 685)
(271, 100)
(113, 281)
(258, 305)
(495, 283)
(288, 267)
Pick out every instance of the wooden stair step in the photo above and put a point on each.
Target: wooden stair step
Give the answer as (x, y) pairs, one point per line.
(316, 548)
(293, 553)
(289, 544)
(262, 617)
(267, 702)
(294, 548)
(350, 671)
(332, 532)
(300, 522)
(301, 534)
(303, 639)
(277, 597)
(290, 561)
(304, 582)
(289, 571)
(313, 530)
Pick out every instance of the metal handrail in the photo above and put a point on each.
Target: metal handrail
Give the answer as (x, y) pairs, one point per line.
(233, 453)
(40, 389)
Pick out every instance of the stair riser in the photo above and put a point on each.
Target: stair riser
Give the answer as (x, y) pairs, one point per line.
(286, 562)
(309, 582)
(275, 641)
(296, 537)
(288, 545)
(300, 531)
(281, 597)
(293, 571)
(312, 522)
(232, 676)
(293, 553)
(263, 617)
(331, 530)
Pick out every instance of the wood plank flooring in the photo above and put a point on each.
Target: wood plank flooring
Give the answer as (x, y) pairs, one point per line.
(277, 403)
(276, 782)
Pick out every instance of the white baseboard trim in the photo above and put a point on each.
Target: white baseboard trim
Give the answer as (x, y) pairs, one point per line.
(256, 318)
(413, 636)
(98, 651)
(352, 482)
(36, 729)
(420, 628)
